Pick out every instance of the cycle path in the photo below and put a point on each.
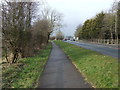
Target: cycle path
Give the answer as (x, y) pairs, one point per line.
(61, 73)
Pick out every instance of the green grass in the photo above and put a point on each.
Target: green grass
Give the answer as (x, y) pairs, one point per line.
(26, 74)
(100, 70)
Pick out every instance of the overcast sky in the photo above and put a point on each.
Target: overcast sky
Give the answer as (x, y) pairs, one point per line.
(75, 12)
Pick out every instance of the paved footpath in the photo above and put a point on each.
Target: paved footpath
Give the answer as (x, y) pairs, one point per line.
(61, 73)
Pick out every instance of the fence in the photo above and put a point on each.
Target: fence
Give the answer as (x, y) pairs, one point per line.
(104, 41)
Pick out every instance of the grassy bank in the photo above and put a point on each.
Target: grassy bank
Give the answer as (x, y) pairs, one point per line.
(26, 73)
(100, 70)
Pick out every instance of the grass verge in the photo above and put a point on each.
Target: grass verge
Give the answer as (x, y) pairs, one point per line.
(100, 70)
(26, 73)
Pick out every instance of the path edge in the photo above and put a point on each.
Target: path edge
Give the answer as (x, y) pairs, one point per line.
(38, 84)
(85, 78)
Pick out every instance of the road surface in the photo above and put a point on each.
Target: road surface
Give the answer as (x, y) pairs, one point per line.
(104, 49)
(61, 73)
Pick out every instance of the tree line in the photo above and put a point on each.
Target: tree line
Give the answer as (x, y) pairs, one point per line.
(105, 25)
(24, 32)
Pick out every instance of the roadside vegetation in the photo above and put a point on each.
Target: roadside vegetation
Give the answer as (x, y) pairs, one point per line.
(100, 70)
(25, 33)
(103, 28)
(25, 73)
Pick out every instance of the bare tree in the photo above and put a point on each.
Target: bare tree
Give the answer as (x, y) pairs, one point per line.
(19, 30)
(114, 11)
(54, 18)
(59, 35)
(16, 20)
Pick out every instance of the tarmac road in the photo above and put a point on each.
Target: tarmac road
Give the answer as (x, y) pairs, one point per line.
(61, 73)
(104, 49)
